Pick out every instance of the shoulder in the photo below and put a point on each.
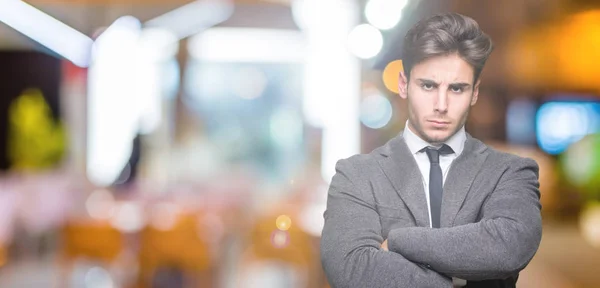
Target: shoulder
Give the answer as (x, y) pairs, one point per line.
(510, 162)
(362, 168)
(370, 160)
(359, 164)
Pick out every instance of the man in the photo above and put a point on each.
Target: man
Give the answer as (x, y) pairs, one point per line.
(433, 206)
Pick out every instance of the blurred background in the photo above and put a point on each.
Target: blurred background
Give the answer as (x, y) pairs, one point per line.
(149, 143)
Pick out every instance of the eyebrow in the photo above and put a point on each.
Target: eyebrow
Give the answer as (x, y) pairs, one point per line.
(453, 85)
(460, 85)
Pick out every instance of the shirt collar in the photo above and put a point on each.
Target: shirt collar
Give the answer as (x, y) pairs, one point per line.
(415, 143)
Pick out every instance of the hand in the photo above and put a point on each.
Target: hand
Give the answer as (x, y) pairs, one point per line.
(384, 245)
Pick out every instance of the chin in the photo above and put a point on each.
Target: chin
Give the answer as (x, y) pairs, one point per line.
(438, 136)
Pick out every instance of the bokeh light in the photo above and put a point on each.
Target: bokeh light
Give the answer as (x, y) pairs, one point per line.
(384, 14)
(375, 111)
(311, 218)
(391, 75)
(580, 161)
(100, 204)
(559, 124)
(98, 277)
(590, 224)
(280, 239)
(365, 41)
(283, 222)
(129, 217)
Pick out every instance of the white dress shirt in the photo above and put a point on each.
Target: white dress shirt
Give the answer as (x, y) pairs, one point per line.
(415, 145)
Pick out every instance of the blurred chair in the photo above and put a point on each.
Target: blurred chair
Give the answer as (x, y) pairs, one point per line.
(96, 241)
(278, 258)
(176, 255)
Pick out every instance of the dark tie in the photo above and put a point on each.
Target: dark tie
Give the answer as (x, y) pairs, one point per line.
(436, 180)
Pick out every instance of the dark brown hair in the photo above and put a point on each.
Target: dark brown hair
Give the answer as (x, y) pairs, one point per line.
(445, 34)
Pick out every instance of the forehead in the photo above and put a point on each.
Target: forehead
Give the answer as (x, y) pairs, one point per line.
(445, 68)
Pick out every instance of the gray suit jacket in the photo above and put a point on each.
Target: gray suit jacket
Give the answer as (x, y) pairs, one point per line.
(490, 220)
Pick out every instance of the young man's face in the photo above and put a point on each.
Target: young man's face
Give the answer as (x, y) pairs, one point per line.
(440, 92)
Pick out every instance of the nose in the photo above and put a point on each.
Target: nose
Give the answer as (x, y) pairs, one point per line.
(441, 103)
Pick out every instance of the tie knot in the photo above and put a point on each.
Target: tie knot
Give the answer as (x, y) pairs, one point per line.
(434, 154)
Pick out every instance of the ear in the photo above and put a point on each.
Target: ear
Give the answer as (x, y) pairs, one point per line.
(402, 85)
(475, 93)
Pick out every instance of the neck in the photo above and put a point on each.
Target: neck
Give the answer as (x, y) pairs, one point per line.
(414, 131)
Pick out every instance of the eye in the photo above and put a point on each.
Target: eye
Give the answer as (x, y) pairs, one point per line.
(457, 89)
(427, 86)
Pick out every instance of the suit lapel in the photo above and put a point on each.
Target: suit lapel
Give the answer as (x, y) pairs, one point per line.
(401, 169)
(460, 177)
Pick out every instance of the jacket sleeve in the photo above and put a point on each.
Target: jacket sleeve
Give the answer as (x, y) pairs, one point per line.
(350, 245)
(498, 246)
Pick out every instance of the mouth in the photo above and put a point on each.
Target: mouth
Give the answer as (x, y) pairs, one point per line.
(438, 123)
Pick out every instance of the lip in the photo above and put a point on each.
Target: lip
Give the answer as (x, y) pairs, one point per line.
(438, 123)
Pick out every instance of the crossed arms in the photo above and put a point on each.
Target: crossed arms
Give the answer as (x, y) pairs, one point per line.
(498, 246)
